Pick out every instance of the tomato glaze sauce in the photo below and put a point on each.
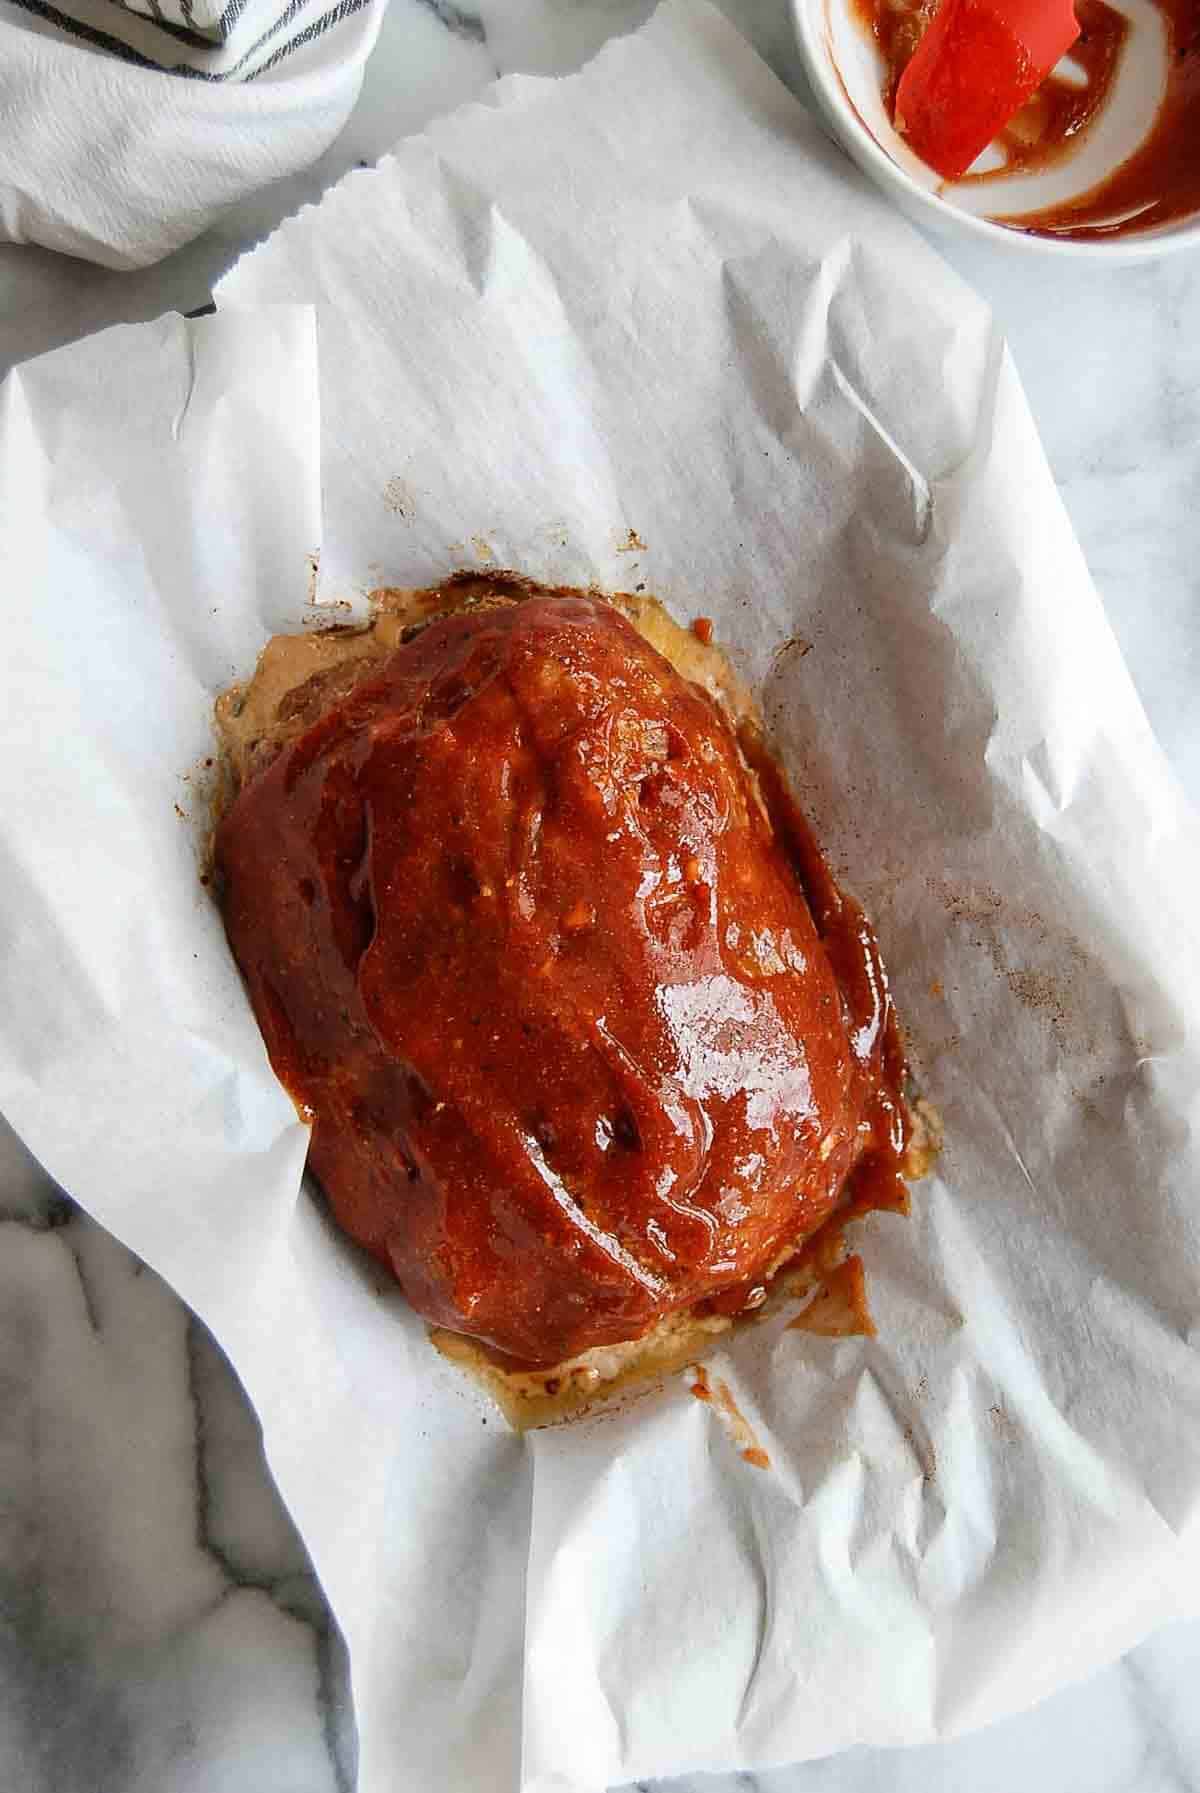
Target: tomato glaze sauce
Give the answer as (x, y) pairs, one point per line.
(1160, 182)
(587, 1032)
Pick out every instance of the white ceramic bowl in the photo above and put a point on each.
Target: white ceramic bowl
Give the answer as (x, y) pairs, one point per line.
(845, 70)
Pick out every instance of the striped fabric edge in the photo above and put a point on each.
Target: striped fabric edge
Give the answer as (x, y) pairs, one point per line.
(149, 43)
(180, 21)
(184, 34)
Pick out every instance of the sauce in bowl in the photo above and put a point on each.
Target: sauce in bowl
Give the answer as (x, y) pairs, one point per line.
(1156, 186)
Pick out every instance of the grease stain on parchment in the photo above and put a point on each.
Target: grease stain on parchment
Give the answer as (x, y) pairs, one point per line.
(398, 500)
(922, 1449)
(1043, 964)
(719, 1396)
(794, 648)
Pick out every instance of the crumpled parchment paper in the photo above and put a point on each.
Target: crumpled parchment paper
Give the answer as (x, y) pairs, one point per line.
(643, 327)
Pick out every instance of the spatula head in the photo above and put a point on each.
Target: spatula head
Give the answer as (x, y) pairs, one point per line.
(977, 64)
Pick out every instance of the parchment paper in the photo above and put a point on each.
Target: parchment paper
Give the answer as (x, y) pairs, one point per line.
(642, 326)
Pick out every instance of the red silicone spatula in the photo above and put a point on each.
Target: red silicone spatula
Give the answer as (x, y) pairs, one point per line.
(977, 64)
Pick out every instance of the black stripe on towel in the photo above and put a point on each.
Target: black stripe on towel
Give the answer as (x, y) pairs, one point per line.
(115, 46)
(75, 28)
(343, 10)
(195, 40)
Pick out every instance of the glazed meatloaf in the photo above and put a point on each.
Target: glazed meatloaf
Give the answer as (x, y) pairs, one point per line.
(590, 1041)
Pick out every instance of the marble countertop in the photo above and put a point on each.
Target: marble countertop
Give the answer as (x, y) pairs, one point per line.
(160, 1628)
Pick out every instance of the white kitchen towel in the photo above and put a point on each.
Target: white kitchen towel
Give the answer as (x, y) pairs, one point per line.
(125, 135)
(263, 28)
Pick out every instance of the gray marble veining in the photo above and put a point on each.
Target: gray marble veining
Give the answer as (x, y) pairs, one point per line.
(160, 1627)
(157, 1608)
